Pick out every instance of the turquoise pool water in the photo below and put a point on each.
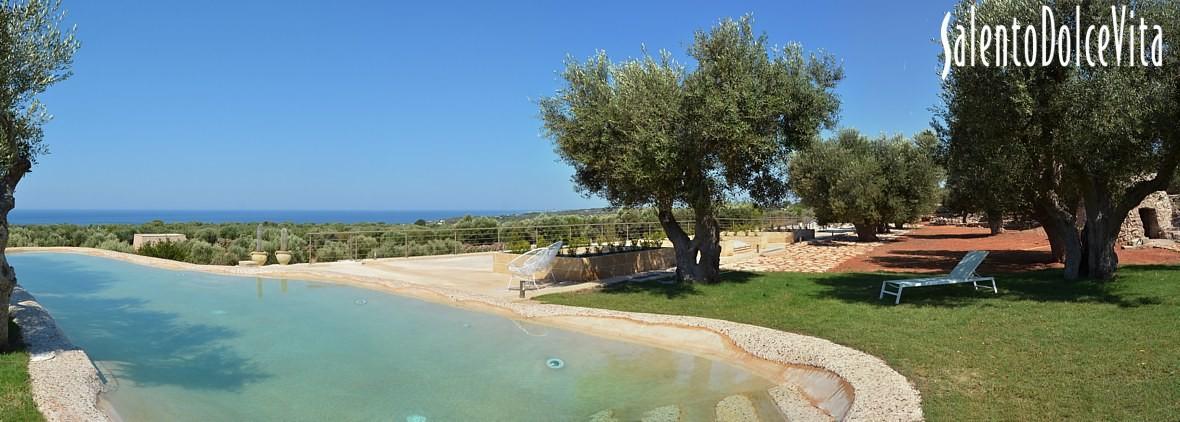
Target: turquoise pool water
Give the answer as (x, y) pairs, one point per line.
(187, 346)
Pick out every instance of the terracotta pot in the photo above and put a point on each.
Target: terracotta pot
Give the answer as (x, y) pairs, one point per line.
(284, 257)
(258, 258)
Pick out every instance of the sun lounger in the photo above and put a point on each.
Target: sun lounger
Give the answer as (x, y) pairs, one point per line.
(963, 273)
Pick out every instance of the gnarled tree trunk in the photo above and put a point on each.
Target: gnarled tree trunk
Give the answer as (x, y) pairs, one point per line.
(18, 167)
(866, 231)
(698, 258)
(7, 274)
(995, 223)
(1105, 216)
(1065, 244)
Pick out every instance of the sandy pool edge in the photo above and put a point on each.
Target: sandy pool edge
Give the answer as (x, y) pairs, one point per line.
(878, 392)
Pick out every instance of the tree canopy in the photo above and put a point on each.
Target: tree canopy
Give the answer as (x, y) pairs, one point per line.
(869, 183)
(1068, 144)
(35, 53)
(649, 131)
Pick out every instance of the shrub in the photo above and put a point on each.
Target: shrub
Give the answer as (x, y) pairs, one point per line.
(175, 251)
(207, 234)
(237, 253)
(20, 236)
(199, 252)
(115, 245)
(222, 256)
(519, 246)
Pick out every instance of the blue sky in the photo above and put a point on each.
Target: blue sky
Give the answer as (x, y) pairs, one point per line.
(386, 105)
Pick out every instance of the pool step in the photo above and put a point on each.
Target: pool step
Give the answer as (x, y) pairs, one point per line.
(736, 408)
(604, 416)
(796, 405)
(670, 413)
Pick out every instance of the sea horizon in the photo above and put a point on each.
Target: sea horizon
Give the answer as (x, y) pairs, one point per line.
(141, 216)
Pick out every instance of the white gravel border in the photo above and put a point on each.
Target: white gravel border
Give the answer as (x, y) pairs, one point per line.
(879, 392)
(64, 381)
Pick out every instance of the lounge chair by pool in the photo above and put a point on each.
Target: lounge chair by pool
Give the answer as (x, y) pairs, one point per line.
(525, 267)
(963, 273)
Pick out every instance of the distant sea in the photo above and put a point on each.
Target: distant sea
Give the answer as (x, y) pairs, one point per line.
(84, 217)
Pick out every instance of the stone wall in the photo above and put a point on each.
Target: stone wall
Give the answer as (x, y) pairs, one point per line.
(1134, 233)
(1175, 212)
(601, 267)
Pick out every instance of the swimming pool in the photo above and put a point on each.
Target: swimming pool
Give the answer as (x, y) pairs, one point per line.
(195, 346)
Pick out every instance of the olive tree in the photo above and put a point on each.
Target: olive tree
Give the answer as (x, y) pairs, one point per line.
(842, 181)
(650, 132)
(869, 183)
(35, 53)
(912, 174)
(1086, 144)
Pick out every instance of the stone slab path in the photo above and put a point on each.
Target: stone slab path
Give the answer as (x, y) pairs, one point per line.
(807, 257)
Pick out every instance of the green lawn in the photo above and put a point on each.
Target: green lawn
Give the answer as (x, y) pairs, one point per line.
(1042, 349)
(16, 401)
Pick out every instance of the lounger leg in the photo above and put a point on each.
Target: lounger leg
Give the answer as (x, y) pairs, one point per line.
(994, 289)
(882, 295)
(898, 300)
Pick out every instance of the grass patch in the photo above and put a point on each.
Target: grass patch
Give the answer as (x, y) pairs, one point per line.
(16, 400)
(1042, 349)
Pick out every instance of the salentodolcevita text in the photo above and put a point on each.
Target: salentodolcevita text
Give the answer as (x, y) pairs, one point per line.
(1029, 45)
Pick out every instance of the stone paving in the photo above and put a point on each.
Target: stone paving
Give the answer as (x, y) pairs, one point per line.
(809, 257)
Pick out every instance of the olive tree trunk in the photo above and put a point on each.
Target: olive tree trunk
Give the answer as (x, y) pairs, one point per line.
(1105, 216)
(995, 223)
(1103, 223)
(7, 274)
(1059, 221)
(866, 231)
(698, 258)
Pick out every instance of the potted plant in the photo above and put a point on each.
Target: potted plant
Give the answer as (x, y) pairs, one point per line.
(283, 255)
(259, 255)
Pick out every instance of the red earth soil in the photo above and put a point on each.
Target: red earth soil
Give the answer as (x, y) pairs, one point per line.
(939, 248)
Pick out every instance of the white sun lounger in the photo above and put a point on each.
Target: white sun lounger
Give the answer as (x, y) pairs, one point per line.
(963, 273)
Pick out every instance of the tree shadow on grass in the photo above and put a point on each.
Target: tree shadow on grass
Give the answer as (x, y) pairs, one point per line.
(674, 290)
(149, 347)
(1039, 286)
(998, 261)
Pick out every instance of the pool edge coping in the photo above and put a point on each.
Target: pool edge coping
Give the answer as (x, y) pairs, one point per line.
(879, 393)
(66, 386)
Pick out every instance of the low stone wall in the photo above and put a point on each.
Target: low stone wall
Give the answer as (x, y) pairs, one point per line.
(1175, 211)
(64, 381)
(593, 268)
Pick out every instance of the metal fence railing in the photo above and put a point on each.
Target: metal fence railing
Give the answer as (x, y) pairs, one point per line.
(413, 240)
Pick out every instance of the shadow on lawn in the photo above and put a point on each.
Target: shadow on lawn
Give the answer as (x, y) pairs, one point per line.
(998, 261)
(674, 290)
(1039, 286)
